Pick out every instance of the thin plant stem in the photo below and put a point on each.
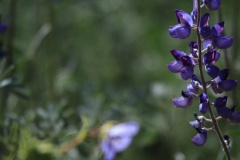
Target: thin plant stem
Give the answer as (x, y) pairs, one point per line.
(214, 121)
(9, 55)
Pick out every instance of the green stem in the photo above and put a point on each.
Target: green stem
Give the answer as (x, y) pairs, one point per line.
(9, 54)
(200, 66)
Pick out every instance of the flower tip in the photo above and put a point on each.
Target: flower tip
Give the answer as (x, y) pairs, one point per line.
(201, 138)
(212, 4)
(182, 102)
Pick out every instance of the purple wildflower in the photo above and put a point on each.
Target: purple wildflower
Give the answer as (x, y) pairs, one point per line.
(118, 139)
(183, 29)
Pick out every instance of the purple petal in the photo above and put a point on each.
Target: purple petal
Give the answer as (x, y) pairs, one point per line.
(127, 129)
(194, 11)
(192, 89)
(200, 139)
(224, 112)
(228, 85)
(193, 48)
(182, 102)
(184, 18)
(205, 32)
(223, 74)
(223, 42)
(211, 57)
(220, 102)
(235, 118)
(204, 20)
(3, 27)
(195, 124)
(179, 31)
(206, 43)
(212, 71)
(203, 98)
(186, 73)
(203, 108)
(107, 149)
(217, 29)
(175, 66)
(187, 61)
(121, 143)
(177, 54)
(212, 4)
(194, 79)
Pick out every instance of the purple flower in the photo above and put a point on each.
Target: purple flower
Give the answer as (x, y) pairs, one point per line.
(212, 4)
(235, 117)
(197, 123)
(183, 64)
(203, 106)
(201, 138)
(183, 29)
(193, 46)
(211, 57)
(214, 36)
(182, 102)
(220, 83)
(224, 111)
(118, 139)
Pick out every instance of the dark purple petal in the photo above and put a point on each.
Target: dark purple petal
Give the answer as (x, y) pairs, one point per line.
(201, 138)
(186, 73)
(205, 32)
(220, 102)
(194, 79)
(187, 61)
(203, 98)
(193, 48)
(184, 18)
(223, 42)
(182, 102)
(187, 94)
(228, 85)
(179, 31)
(203, 108)
(224, 112)
(177, 54)
(223, 74)
(212, 71)
(215, 87)
(212, 4)
(211, 57)
(217, 29)
(175, 66)
(235, 117)
(3, 28)
(204, 20)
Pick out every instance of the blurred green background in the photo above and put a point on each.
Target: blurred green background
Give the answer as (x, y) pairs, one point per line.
(100, 60)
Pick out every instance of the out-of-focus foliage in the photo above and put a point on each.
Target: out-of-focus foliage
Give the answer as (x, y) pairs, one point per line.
(102, 60)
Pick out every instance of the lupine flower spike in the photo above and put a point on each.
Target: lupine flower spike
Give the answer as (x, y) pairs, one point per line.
(204, 53)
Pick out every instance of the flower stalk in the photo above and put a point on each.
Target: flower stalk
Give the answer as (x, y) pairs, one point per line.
(203, 55)
(200, 67)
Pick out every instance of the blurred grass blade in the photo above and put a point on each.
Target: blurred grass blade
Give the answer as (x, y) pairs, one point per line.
(37, 40)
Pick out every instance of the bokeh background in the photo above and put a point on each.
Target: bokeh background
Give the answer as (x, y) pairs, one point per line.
(73, 65)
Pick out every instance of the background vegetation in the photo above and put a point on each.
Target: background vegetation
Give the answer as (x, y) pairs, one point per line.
(72, 65)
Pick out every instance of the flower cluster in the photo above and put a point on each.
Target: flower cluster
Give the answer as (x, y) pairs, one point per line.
(203, 54)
